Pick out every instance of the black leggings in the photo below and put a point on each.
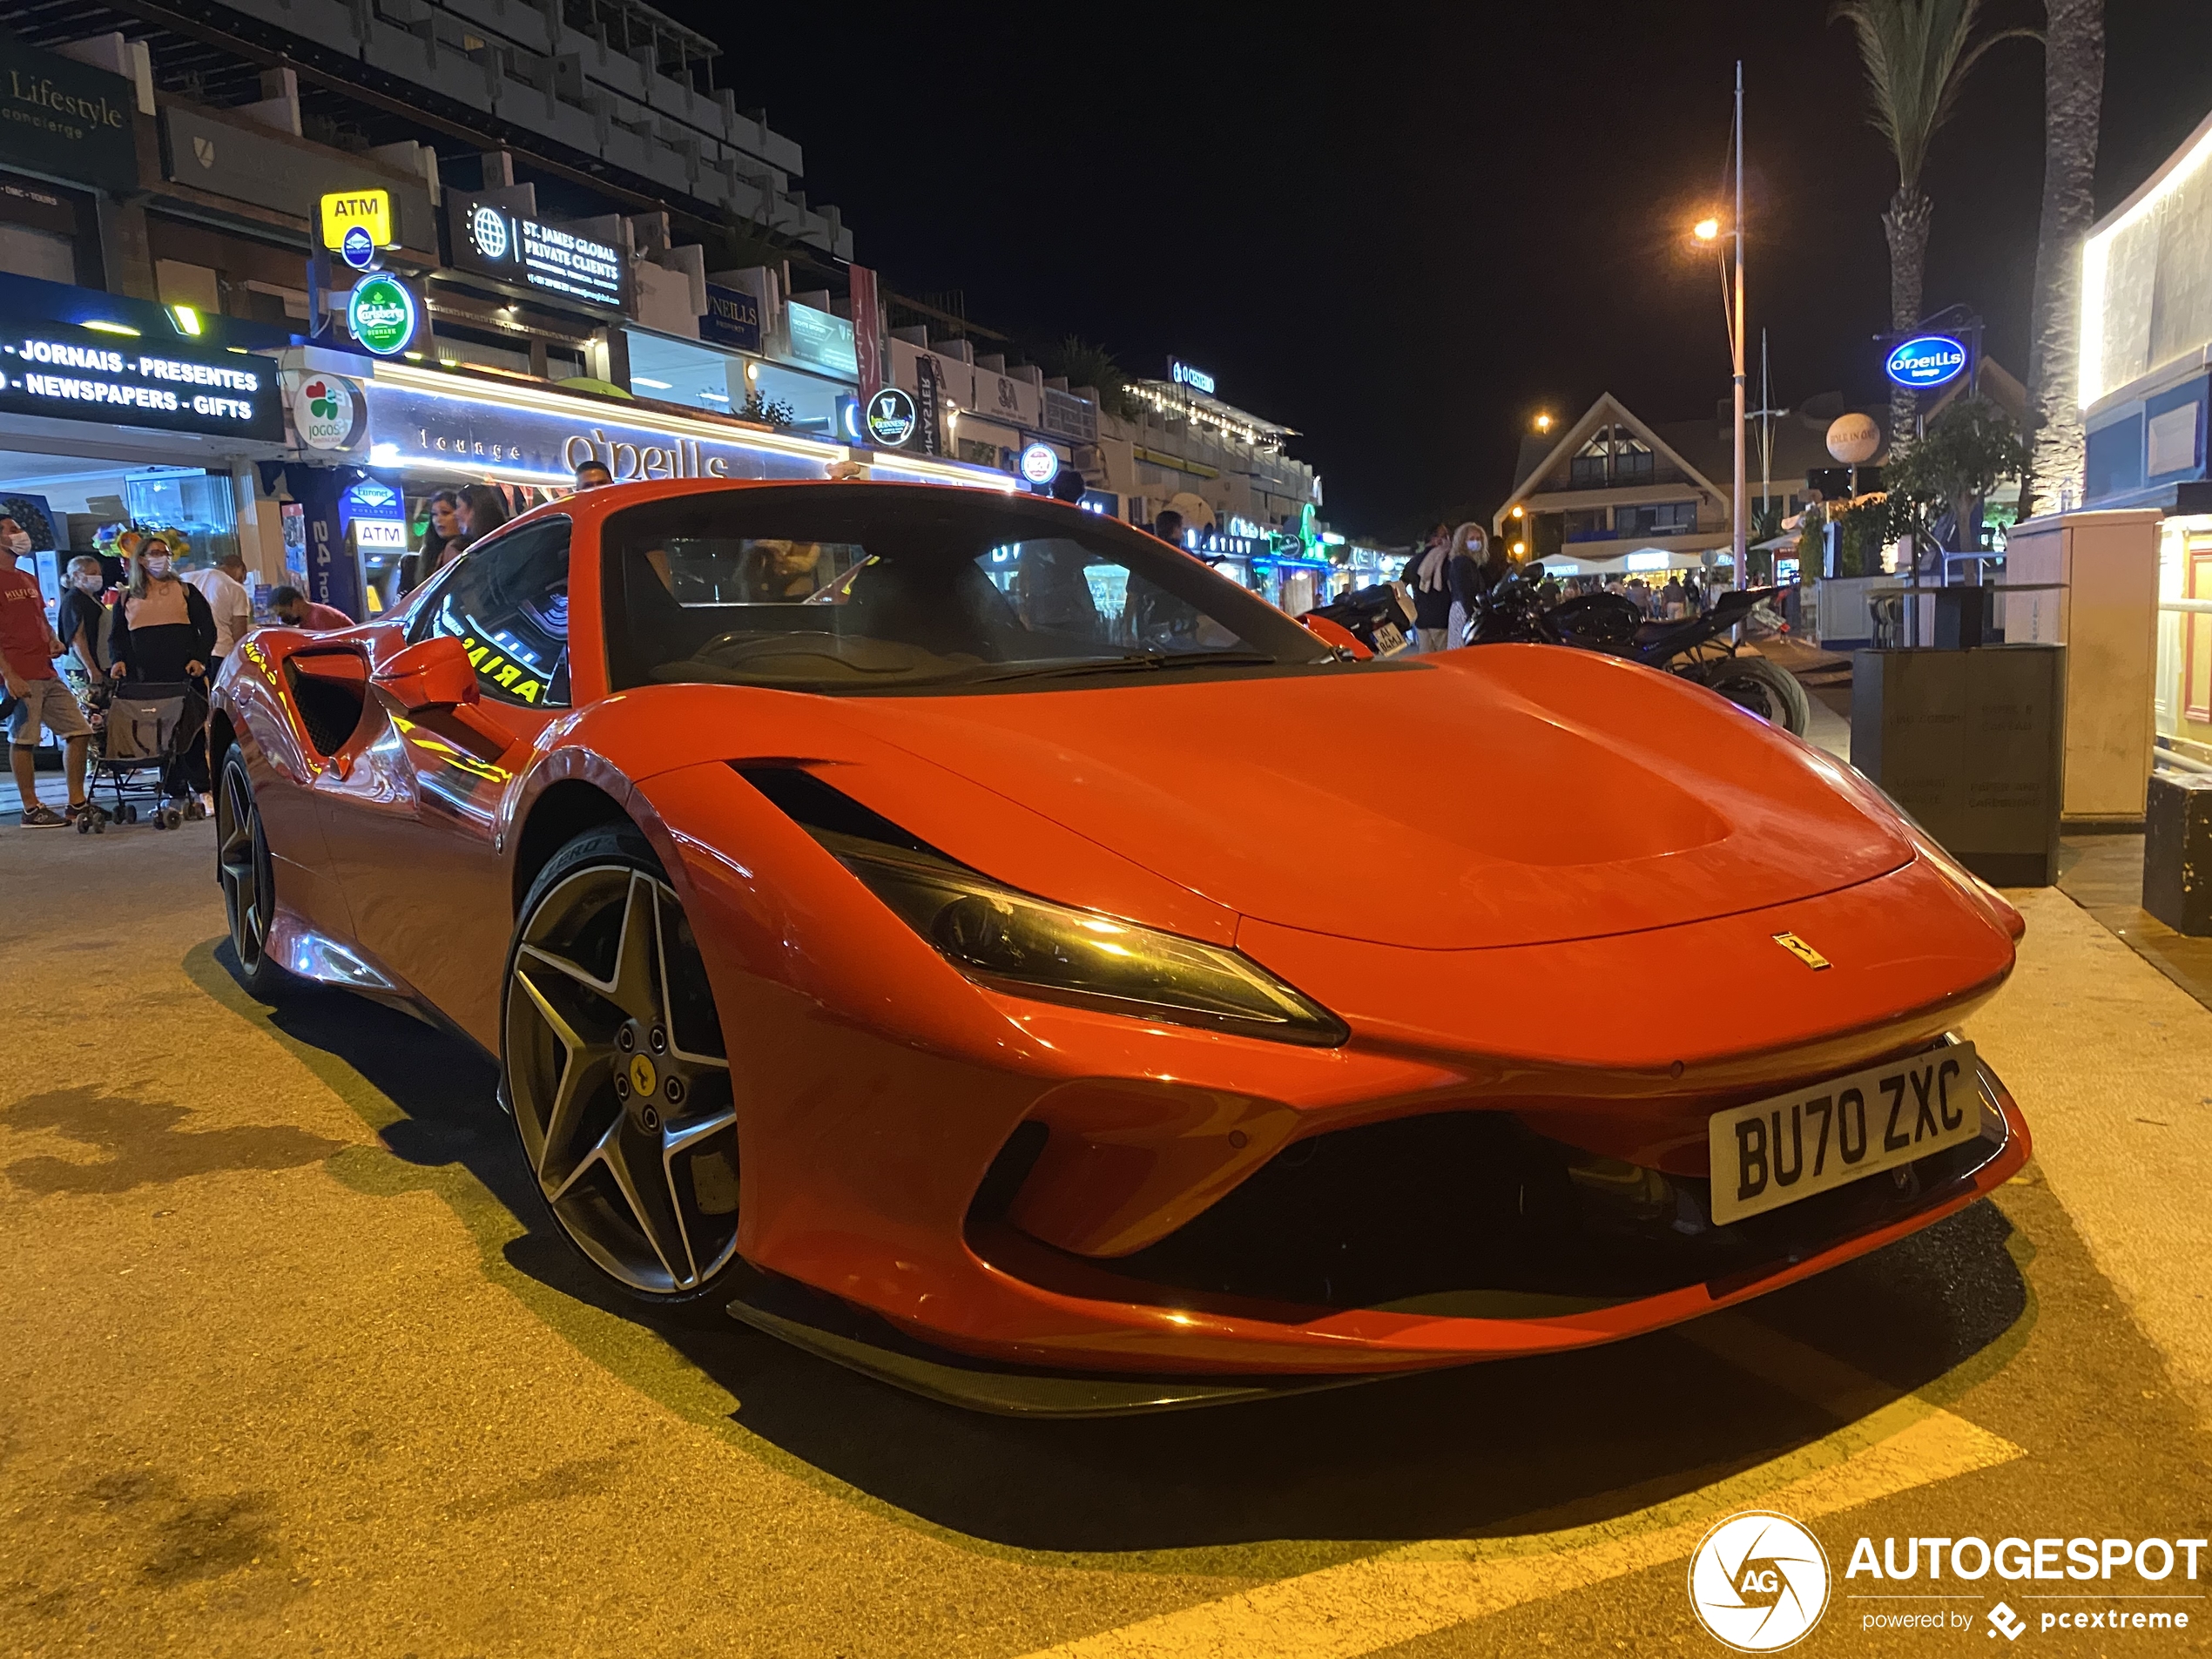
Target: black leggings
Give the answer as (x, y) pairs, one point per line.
(186, 774)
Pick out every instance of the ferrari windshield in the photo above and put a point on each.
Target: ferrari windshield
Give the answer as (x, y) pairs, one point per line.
(861, 586)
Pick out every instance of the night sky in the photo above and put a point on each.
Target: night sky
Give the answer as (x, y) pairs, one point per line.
(1403, 231)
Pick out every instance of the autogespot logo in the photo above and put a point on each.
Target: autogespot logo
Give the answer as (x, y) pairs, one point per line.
(1759, 1582)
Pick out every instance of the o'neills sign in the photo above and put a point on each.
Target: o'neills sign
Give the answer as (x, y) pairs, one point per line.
(66, 119)
(412, 424)
(684, 458)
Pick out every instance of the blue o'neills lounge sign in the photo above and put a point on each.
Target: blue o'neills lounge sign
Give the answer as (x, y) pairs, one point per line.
(1926, 360)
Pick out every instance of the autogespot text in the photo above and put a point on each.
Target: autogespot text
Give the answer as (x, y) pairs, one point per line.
(2151, 1561)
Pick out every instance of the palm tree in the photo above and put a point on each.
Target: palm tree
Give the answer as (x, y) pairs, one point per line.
(2073, 76)
(1917, 53)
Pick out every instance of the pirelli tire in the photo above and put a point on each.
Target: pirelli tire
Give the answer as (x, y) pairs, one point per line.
(615, 1068)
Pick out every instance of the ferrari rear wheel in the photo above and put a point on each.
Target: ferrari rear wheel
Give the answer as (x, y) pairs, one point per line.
(248, 879)
(617, 1070)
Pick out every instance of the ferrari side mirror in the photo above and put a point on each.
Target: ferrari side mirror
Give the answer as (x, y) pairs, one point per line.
(430, 674)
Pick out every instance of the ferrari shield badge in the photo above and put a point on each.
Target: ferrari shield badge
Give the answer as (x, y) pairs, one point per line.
(1802, 951)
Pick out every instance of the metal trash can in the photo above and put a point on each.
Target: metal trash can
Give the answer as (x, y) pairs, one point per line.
(1973, 745)
(2177, 853)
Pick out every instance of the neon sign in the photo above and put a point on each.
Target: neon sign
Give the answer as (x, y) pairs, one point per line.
(1197, 379)
(1926, 360)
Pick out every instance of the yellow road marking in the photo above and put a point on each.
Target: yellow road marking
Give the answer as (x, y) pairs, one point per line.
(1341, 1612)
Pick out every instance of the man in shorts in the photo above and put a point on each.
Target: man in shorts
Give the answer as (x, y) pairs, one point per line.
(27, 650)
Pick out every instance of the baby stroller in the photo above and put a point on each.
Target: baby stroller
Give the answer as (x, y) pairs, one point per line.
(151, 726)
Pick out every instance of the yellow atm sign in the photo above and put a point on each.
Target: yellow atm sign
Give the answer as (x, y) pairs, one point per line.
(370, 209)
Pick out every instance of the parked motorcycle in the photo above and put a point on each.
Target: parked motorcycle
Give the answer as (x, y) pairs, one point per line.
(1376, 616)
(1701, 648)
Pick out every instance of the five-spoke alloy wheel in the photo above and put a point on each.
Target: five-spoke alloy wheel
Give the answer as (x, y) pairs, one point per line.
(243, 867)
(617, 1072)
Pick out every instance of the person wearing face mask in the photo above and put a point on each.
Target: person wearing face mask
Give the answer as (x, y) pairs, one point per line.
(36, 696)
(83, 618)
(295, 610)
(164, 630)
(163, 633)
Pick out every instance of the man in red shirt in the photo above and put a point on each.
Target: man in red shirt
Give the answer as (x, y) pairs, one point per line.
(27, 650)
(295, 610)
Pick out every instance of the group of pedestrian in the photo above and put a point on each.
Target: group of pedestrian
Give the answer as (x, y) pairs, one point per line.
(133, 617)
(459, 518)
(154, 627)
(1448, 577)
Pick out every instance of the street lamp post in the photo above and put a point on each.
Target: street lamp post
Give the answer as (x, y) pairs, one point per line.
(1709, 230)
(1743, 536)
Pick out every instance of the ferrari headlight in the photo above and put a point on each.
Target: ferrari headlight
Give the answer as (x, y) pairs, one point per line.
(994, 933)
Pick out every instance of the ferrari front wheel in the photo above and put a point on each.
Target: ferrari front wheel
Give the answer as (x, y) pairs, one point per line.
(247, 877)
(616, 1070)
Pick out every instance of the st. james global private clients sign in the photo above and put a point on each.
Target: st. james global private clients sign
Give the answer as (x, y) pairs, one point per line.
(493, 241)
(66, 119)
(1926, 360)
(70, 372)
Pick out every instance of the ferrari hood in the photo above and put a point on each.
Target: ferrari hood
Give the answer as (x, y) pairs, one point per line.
(1504, 795)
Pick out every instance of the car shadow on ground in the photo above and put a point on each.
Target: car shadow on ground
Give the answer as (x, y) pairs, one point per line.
(1563, 1440)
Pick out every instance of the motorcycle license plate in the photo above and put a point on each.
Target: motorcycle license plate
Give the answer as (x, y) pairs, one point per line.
(1826, 1136)
(1388, 639)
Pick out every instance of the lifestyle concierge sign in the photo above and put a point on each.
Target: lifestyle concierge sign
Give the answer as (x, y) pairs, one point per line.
(66, 119)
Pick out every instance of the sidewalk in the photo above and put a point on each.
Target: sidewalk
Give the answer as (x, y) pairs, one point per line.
(2104, 875)
(2111, 1062)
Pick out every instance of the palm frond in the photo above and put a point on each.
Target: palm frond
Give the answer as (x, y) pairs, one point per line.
(1915, 55)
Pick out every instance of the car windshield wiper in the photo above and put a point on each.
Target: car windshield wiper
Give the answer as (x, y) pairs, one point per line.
(1136, 662)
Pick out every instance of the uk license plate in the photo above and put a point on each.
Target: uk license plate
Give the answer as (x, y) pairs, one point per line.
(1388, 639)
(1833, 1133)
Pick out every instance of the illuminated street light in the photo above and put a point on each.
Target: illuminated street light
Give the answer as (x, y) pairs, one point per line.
(1543, 423)
(1707, 230)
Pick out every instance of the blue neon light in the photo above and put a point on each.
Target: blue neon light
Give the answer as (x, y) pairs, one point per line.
(1926, 360)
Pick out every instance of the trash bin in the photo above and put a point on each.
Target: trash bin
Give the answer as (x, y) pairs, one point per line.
(2177, 853)
(1973, 745)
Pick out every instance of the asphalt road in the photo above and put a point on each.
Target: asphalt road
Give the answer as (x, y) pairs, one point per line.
(289, 1364)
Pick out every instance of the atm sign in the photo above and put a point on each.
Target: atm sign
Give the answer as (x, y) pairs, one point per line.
(370, 209)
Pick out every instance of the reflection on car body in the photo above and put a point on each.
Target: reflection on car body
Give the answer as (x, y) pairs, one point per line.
(912, 919)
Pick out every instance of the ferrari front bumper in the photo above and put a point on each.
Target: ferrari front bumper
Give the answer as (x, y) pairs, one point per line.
(1184, 1345)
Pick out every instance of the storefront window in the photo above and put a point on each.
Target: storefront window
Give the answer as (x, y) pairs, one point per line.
(676, 371)
(199, 503)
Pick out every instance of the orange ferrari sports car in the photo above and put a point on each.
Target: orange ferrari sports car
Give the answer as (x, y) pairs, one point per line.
(984, 944)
